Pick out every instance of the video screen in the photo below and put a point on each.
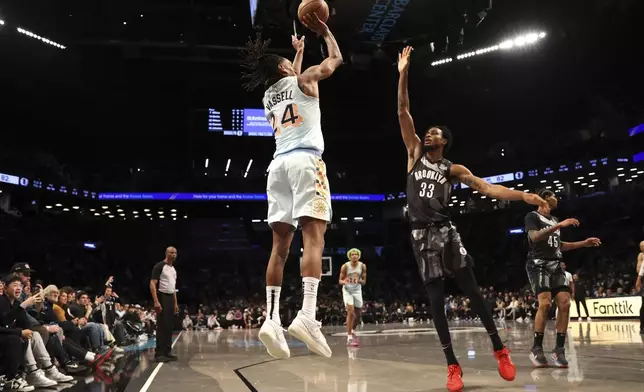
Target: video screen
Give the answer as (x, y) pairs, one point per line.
(239, 122)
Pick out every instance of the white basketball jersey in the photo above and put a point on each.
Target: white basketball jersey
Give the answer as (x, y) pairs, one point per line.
(294, 116)
(353, 277)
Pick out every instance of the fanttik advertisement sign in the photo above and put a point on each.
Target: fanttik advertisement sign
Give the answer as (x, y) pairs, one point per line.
(613, 307)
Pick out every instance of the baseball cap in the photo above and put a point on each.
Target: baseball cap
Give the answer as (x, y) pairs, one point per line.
(21, 267)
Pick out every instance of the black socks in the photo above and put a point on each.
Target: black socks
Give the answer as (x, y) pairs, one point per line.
(561, 339)
(538, 339)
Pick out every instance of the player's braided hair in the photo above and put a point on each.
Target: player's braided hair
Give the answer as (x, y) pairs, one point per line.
(259, 68)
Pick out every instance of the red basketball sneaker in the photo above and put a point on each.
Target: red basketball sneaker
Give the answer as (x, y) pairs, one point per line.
(507, 370)
(454, 381)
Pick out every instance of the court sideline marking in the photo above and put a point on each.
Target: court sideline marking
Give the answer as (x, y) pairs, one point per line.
(147, 384)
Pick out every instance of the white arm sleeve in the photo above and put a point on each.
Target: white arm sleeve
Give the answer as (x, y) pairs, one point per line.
(642, 270)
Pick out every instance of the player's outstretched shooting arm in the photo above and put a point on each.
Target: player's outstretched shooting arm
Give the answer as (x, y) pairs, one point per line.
(328, 66)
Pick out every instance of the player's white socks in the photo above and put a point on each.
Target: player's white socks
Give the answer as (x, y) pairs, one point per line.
(310, 289)
(273, 303)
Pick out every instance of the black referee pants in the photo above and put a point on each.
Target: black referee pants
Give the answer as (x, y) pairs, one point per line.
(165, 322)
(581, 302)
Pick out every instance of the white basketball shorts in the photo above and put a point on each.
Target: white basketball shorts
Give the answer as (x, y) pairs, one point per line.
(297, 186)
(352, 298)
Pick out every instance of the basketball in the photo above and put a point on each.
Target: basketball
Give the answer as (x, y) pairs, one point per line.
(318, 7)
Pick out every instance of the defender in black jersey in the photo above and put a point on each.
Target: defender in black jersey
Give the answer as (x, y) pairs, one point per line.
(437, 245)
(547, 277)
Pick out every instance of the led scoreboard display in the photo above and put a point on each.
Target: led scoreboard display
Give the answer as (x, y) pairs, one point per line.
(240, 122)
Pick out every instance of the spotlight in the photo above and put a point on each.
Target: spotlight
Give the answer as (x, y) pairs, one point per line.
(530, 38)
(440, 62)
(42, 39)
(506, 44)
(1, 22)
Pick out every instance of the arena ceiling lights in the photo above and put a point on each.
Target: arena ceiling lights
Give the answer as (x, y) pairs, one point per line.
(42, 39)
(518, 42)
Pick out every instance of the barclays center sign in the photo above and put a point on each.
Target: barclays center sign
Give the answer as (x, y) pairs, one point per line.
(383, 17)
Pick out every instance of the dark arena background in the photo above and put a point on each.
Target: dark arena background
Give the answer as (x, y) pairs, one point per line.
(125, 130)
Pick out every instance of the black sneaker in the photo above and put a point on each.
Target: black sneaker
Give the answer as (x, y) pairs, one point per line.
(538, 358)
(171, 357)
(559, 357)
(73, 367)
(161, 358)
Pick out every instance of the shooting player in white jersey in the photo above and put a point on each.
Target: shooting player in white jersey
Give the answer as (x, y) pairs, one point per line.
(297, 189)
(353, 275)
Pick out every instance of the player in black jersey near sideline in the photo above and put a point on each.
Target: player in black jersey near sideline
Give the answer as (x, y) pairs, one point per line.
(437, 245)
(547, 277)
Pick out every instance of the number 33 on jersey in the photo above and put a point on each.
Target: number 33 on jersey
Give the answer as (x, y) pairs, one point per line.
(294, 117)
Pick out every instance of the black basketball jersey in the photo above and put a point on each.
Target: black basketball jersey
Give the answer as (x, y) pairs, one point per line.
(428, 191)
(549, 248)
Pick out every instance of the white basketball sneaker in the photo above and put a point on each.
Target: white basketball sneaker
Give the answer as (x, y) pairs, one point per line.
(53, 374)
(307, 330)
(272, 335)
(38, 379)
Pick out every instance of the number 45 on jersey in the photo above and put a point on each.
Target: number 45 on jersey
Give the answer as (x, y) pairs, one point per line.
(290, 118)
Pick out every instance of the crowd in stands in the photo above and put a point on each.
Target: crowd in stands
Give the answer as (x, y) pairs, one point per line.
(48, 334)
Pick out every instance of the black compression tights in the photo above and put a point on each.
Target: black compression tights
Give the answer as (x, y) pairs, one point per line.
(466, 281)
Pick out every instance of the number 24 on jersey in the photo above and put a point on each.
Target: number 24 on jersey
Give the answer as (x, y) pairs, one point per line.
(290, 118)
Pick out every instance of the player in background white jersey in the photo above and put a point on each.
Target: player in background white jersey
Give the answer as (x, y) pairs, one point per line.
(353, 275)
(297, 189)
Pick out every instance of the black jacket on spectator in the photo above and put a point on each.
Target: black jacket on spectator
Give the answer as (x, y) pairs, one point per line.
(10, 331)
(48, 316)
(75, 311)
(13, 316)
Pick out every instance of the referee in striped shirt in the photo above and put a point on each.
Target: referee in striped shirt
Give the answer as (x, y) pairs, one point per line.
(164, 293)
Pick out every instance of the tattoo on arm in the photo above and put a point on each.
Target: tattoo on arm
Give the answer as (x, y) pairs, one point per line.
(475, 183)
